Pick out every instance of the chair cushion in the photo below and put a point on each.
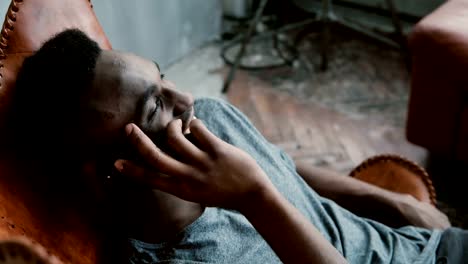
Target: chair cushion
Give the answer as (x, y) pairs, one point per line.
(439, 50)
(23, 212)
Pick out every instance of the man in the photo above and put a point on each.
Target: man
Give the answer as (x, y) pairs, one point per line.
(87, 96)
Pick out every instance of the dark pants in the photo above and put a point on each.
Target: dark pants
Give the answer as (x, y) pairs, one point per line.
(453, 247)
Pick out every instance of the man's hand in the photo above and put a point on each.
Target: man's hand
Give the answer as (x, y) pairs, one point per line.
(208, 171)
(421, 214)
(214, 173)
(370, 201)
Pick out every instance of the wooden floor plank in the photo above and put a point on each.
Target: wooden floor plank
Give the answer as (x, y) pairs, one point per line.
(314, 133)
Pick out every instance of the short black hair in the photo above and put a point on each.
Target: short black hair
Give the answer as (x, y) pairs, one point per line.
(49, 88)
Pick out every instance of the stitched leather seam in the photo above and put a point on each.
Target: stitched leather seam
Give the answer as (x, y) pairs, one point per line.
(8, 26)
(410, 165)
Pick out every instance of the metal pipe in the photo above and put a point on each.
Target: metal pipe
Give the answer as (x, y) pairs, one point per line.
(253, 24)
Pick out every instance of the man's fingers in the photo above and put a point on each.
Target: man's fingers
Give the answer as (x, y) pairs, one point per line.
(208, 140)
(152, 154)
(144, 175)
(181, 145)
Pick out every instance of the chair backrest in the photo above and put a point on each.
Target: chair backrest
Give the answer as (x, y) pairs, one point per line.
(28, 23)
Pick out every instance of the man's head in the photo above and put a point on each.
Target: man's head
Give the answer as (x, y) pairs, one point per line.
(73, 97)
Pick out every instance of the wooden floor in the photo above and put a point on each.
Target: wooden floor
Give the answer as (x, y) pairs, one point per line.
(315, 133)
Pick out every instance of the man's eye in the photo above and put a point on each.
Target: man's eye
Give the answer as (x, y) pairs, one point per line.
(157, 105)
(162, 76)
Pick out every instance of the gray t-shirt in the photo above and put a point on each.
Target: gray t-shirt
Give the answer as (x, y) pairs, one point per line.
(225, 236)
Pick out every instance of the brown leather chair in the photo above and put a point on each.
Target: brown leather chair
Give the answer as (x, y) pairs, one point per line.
(23, 211)
(438, 108)
(28, 23)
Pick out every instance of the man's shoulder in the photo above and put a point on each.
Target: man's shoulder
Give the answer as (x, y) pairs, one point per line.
(204, 102)
(214, 108)
(224, 120)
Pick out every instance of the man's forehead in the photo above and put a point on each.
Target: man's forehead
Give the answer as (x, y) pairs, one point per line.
(112, 60)
(123, 60)
(122, 69)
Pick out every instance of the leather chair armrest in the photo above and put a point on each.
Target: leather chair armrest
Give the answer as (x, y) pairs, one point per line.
(439, 49)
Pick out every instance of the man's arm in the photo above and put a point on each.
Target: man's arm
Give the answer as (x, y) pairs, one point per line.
(294, 238)
(214, 173)
(371, 201)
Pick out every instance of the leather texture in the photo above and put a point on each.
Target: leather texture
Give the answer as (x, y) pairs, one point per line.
(397, 174)
(462, 147)
(28, 23)
(62, 231)
(439, 87)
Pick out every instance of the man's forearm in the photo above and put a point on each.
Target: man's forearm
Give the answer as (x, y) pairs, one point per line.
(293, 238)
(357, 196)
(366, 200)
(336, 186)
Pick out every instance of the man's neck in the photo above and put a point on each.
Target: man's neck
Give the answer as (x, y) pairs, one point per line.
(155, 216)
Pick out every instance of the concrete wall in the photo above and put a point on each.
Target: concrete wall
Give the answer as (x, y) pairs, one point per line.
(3, 8)
(162, 30)
(166, 30)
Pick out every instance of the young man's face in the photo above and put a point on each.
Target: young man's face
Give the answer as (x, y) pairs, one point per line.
(127, 88)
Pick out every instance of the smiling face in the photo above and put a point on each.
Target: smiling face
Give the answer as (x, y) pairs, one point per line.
(127, 88)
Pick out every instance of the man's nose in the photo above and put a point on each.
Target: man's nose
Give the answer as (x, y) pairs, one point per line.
(181, 101)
